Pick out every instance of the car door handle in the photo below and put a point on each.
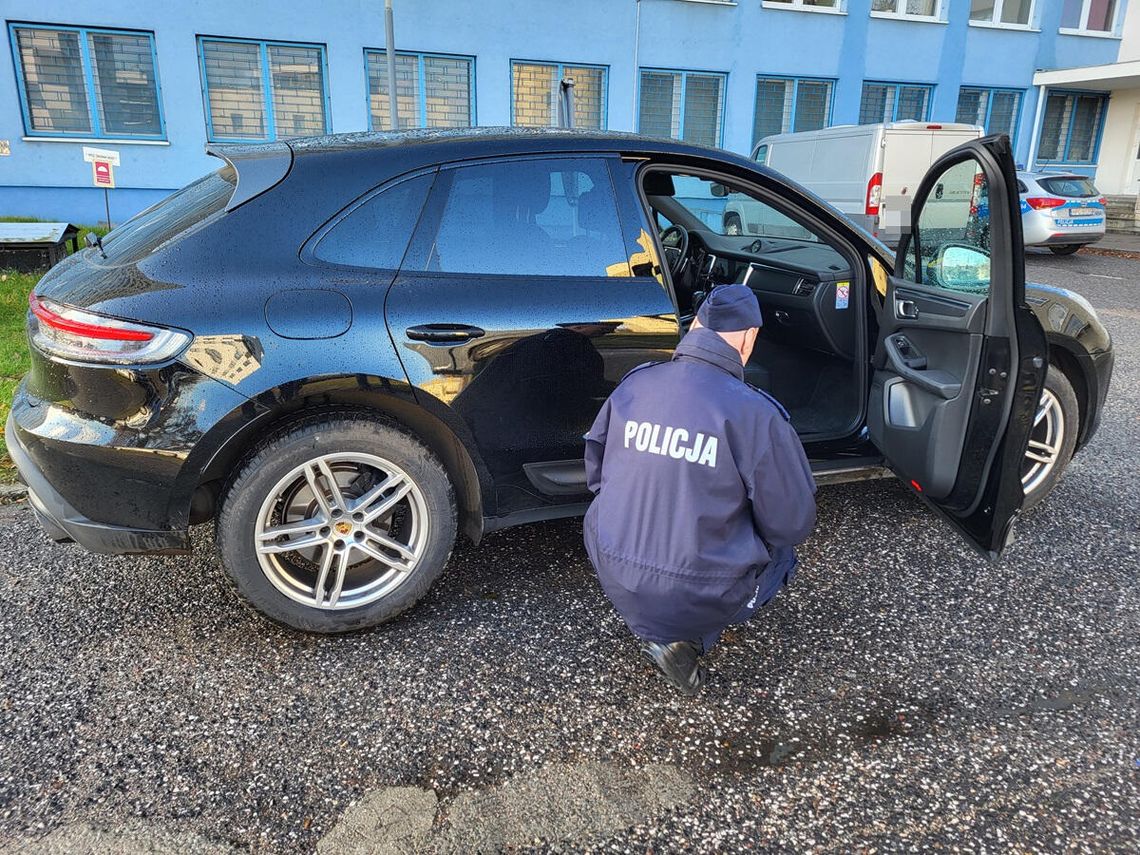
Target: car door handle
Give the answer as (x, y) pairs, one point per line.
(906, 309)
(444, 333)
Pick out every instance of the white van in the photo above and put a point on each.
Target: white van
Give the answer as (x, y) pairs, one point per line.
(869, 172)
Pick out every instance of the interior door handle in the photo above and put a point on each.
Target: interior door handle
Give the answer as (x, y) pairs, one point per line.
(941, 383)
(444, 333)
(907, 309)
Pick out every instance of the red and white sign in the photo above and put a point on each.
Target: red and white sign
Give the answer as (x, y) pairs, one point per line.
(103, 174)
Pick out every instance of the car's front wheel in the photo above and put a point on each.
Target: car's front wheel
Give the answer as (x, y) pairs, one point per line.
(1053, 439)
(337, 523)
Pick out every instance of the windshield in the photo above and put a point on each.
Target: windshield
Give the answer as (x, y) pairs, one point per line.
(173, 216)
(1069, 185)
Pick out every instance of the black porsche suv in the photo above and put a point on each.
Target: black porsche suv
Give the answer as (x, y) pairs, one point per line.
(345, 350)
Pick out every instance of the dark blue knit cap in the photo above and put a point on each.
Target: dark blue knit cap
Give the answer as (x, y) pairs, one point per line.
(730, 308)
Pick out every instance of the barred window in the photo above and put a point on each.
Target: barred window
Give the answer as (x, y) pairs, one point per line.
(786, 105)
(76, 81)
(432, 90)
(259, 91)
(535, 90)
(996, 110)
(687, 105)
(894, 102)
(1071, 127)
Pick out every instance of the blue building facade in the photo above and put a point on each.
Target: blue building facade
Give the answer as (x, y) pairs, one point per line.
(157, 81)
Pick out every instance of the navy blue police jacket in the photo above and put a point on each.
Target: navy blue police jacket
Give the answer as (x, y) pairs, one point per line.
(698, 477)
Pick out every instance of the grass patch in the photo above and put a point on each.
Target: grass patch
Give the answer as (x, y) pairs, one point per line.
(14, 361)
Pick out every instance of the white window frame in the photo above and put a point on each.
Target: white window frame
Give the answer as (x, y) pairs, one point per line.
(1083, 30)
(840, 7)
(940, 8)
(997, 23)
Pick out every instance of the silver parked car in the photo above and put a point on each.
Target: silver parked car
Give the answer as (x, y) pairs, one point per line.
(1061, 211)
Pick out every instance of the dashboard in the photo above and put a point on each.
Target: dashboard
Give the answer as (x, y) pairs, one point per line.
(804, 287)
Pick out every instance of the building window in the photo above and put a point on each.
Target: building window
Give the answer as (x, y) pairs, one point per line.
(894, 102)
(1089, 16)
(686, 105)
(996, 110)
(1070, 129)
(536, 90)
(788, 105)
(807, 5)
(258, 91)
(432, 90)
(930, 10)
(1009, 13)
(82, 82)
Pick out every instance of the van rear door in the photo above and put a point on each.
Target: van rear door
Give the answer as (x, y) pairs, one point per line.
(908, 151)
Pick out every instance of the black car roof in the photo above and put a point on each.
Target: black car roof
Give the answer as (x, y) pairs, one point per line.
(504, 140)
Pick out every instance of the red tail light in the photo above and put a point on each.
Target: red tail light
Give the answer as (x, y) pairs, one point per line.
(874, 194)
(1041, 203)
(75, 334)
(1103, 202)
(107, 331)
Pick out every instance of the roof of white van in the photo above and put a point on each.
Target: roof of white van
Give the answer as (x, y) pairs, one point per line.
(848, 130)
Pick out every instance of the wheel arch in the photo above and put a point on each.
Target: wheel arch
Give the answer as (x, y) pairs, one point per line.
(1066, 357)
(279, 407)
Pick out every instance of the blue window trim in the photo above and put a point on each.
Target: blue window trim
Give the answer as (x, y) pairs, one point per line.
(896, 85)
(266, 85)
(796, 96)
(561, 66)
(990, 91)
(96, 131)
(685, 72)
(1103, 114)
(420, 56)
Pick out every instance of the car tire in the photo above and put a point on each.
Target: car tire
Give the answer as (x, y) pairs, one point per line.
(1066, 249)
(732, 224)
(1056, 424)
(374, 464)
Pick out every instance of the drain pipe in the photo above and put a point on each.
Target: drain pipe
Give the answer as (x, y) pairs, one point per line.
(390, 42)
(1038, 117)
(636, 62)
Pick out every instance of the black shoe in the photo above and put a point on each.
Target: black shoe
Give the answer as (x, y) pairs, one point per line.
(678, 663)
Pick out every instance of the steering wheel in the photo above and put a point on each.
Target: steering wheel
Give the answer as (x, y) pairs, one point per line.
(675, 242)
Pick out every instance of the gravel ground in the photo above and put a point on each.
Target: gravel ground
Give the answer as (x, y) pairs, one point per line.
(902, 694)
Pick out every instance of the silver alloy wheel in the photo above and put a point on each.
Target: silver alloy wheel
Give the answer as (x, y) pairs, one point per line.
(1045, 442)
(341, 531)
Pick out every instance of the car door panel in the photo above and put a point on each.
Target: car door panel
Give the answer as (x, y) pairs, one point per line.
(960, 356)
(521, 315)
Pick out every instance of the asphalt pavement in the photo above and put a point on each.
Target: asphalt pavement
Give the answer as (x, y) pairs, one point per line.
(902, 694)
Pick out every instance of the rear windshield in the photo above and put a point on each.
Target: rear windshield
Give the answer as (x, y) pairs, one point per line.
(144, 233)
(1069, 186)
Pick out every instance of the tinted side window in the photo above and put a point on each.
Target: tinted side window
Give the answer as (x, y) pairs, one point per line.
(534, 218)
(376, 232)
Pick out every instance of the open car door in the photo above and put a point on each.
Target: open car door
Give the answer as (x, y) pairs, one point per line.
(961, 359)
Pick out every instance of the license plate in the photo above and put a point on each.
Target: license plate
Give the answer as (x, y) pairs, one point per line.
(1085, 212)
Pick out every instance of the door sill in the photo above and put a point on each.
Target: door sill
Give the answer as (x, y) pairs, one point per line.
(828, 472)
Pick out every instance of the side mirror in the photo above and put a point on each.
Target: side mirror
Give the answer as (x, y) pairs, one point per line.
(719, 190)
(962, 268)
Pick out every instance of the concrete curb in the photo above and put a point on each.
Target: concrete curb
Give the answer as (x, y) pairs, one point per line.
(12, 493)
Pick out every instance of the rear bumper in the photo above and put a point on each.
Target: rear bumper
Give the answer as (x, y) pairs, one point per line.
(1042, 230)
(63, 523)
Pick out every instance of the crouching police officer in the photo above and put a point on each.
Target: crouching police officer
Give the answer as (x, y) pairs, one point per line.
(702, 491)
